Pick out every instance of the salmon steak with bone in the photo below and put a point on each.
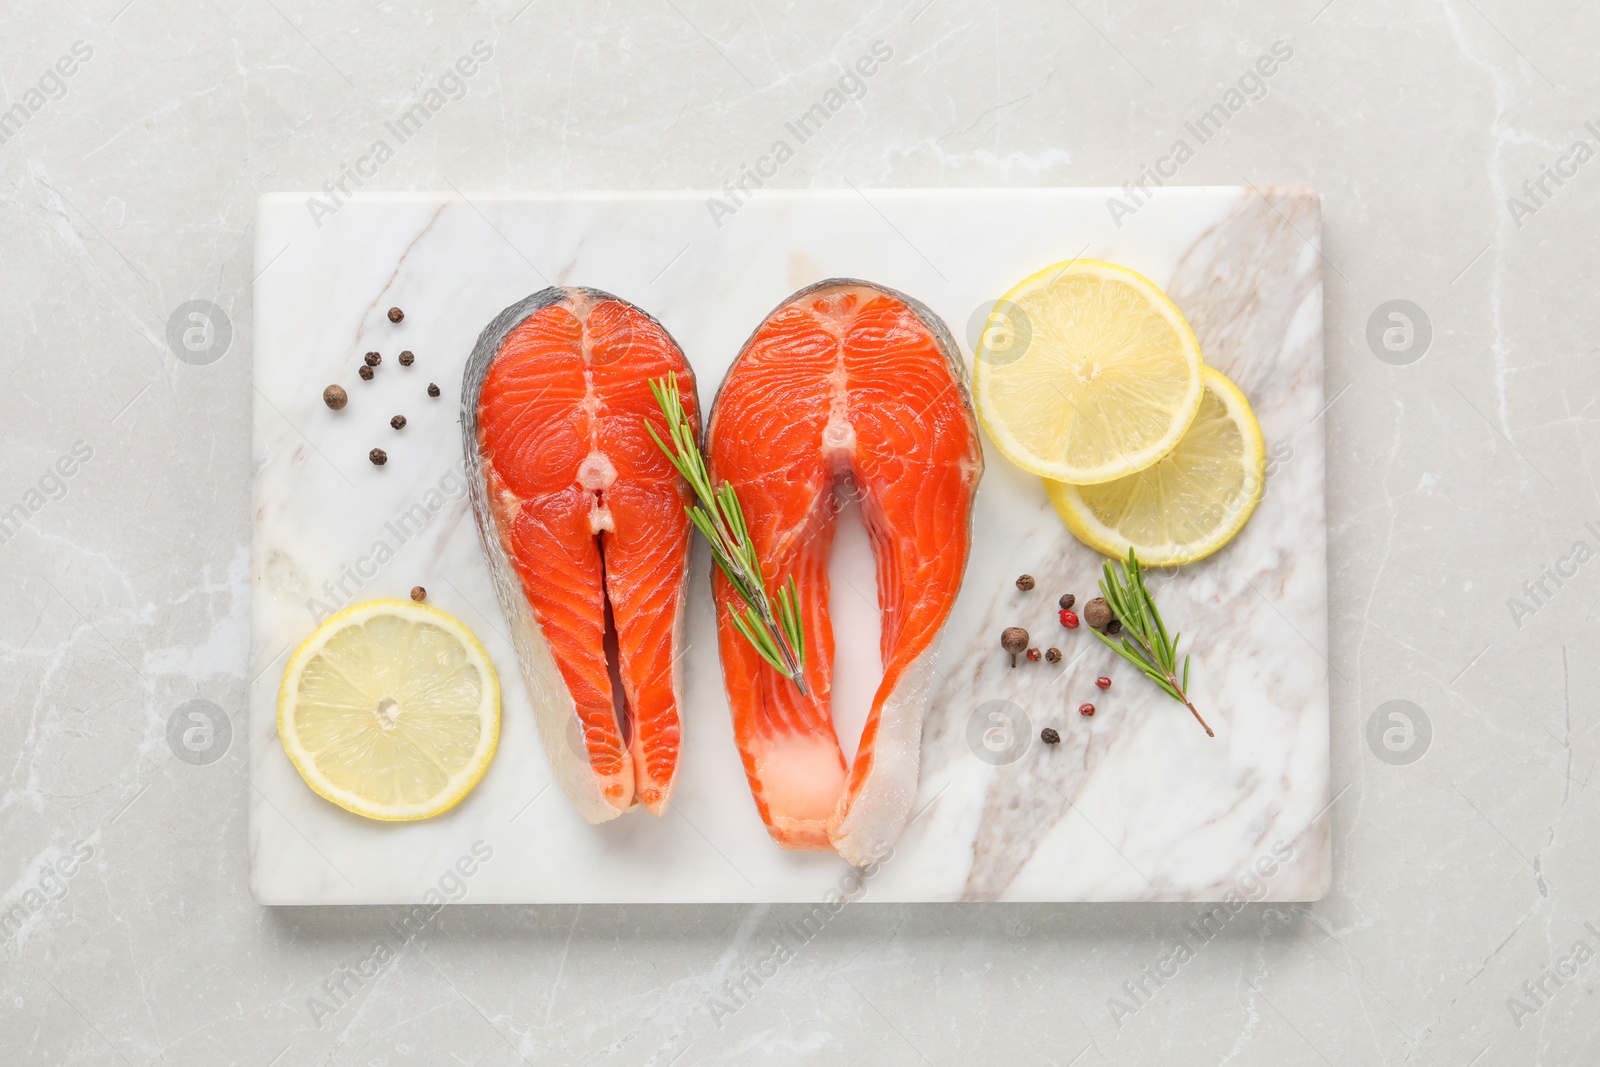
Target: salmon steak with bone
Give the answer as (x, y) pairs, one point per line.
(582, 519)
(845, 380)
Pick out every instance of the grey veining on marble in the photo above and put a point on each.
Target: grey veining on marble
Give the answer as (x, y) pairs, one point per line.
(1460, 479)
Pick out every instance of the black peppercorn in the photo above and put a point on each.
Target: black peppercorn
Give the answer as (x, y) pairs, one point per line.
(372, 359)
(365, 372)
(1049, 736)
(1067, 600)
(1114, 626)
(378, 456)
(433, 390)
(1025, 582)
(398, 422)
(1052, 655)
(407, 358)
(395, 314)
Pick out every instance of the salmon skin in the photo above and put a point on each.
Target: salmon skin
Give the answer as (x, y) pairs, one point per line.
(845, 380)
(582, 520)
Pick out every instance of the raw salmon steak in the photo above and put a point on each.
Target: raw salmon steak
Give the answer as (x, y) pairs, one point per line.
(845, 381)
(582, 519)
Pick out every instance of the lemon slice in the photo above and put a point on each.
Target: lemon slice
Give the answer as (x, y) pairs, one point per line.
(1086, 372)
(390, 709)
(1190, 503)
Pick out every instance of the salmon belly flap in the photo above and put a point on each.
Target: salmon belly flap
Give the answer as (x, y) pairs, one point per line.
(844, 381)
(582, 518)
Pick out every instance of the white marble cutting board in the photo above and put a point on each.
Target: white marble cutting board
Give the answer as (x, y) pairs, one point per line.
(1134, 804)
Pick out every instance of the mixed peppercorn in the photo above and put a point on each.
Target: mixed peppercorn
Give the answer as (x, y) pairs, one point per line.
(1015, 640)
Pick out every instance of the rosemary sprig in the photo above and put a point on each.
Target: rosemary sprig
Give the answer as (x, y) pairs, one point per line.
(1149, 648)
(774, 630)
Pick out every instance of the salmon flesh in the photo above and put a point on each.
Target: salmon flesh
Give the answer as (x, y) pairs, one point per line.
(582, 519)
(845, 385)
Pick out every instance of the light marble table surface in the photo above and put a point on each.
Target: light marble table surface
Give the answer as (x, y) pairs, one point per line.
(1461, 920)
